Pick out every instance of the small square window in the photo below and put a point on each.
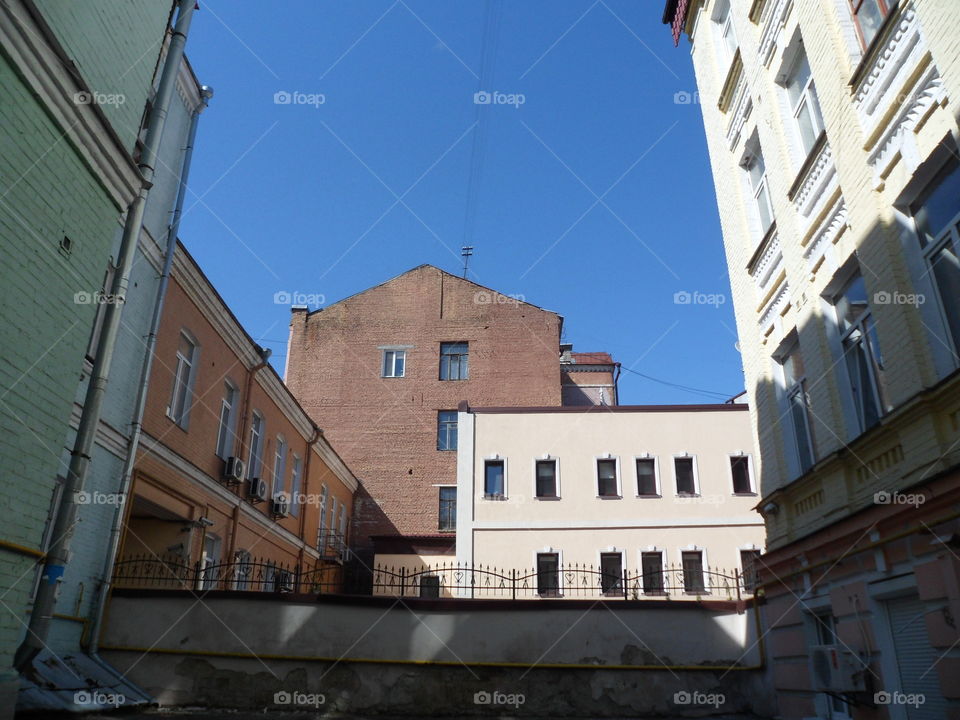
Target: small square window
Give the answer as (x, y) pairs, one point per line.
(493, 478)
(686, 484)
(546, 478)
(394, 363)
(647, 477)
(607, 485)
(740, 468)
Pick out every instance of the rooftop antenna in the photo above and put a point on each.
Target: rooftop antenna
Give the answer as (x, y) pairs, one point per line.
(466, 251)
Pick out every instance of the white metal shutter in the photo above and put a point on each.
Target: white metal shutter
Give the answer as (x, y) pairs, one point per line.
(916, 658)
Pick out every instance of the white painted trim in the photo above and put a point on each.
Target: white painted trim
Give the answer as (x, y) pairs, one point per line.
(632, 524)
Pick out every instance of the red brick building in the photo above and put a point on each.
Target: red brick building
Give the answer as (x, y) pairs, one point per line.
(588, 378)
(383, 372)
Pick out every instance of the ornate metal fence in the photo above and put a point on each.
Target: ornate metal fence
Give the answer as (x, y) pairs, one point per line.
(568, 581)
(173, 572)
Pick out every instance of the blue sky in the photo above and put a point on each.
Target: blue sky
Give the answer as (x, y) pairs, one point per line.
(592, 198)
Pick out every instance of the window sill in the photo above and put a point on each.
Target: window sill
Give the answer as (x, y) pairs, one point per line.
(745, 494)
(761, 246)
(177, 424)
(392, 377)
(808, 164)
(546, 497)
(454, 379)
(610, 497)
(650, 497)
(687, 495)
(495, 498)
(550, 595)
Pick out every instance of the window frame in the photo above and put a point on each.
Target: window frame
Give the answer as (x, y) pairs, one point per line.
(754, 583)
(556, 477)
(663, 571)
(695, 472)
(647, 457)
(794, 386)
(397, 354)
(181, 416)
(296, 483)
(559, 572)
(451, 526)
(258, 434)
(747, 458)
(806, 97)
(493, 460)
(608, 458)
(462, 361)
(883, 6)
(620, 587)
(759, 188)
(703, 570)
(441, 424)
(279, 467)
(322, 520)
(226, 431)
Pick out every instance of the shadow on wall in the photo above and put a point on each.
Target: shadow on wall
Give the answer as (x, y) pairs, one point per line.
(367, 517)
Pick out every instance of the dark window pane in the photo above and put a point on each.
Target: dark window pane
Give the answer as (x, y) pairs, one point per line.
(652, 569)
(493, 477)
(546, 478)
(607, 478)
(693, 572)
(448, 508)
(646, 476)
(611, 573)
(684, 470)
(740, 466)
(453, 361)
(749, 561)
(429, 586)
(935, 211)
(548, 574)
(946, 272)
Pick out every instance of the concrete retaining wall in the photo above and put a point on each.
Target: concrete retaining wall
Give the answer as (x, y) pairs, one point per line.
(232, 651)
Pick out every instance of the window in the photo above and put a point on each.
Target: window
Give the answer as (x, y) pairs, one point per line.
(179, 408)
(647, 477)
(798, 408)
(607, 481)
(750, 564)
(447, 430)
(546, 478)
(693, 571)
(757, 173)
(726, 40)
(322, 529)
(255, 461)
(686, 479)
(938, 228)
(453, 361)
(651, 568)
(210, 562)
(825, 628)
(448, 508)
(280, 465)
(430, 586)
(802, 95)
(296, 482)
(493, 478)
(861, 352)
(868, 16)
(548, 574)
(611, 573)
(330, 540)
(394, 362)
(343, 523)
(243, 570)
(740, 470)
(227, 420)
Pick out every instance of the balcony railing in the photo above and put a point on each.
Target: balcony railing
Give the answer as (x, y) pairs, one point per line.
(173, 572)
(568, 581)
(332, 545)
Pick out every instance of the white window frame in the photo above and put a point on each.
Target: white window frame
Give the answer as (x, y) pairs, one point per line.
(279, 484)
(797, 387)
(596, 476)
(792, 58)
(296, 485)
(656, 476)
(187, 366)
(722, 18)
(258, 434)
(613, 550)
(696, 474)
(750, 474)
(344, 523)
(759, 189)
(322, 526)
(663, 568)
(394, 351)
(496, 457)
(547, 457)
(226, 431)
(548, 550)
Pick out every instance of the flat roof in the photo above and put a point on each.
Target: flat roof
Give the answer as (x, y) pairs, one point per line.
(712, 407)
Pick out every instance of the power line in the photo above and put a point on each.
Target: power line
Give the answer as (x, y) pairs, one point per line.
(686, 388)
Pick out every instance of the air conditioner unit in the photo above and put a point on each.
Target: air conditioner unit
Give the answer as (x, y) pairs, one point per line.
(836, 669)
(257, 490)
(280, 505)
(233, 470)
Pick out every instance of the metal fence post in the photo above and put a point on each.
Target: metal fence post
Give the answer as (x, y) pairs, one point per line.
(736, 579)
(513, 576)
(403, 580)
(624, 581)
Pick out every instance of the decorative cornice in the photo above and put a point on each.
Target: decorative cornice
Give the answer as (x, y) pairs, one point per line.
(36, 60)
(826, 233)
(813, 187)
(773, 24)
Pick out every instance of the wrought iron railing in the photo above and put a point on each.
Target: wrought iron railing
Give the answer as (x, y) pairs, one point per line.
(173, 572)
(332, 545)
(569, 581)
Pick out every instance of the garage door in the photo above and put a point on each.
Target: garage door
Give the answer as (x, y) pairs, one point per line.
(916, 659)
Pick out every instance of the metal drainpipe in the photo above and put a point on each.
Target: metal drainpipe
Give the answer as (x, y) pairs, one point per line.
(58, 556)
(126, 476)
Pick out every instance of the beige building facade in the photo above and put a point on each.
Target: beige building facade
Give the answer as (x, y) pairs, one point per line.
(832, 132)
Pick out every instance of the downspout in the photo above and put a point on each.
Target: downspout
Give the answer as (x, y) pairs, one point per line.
(59, 553)
(304, 487)
(146, 368)
(616, 389)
